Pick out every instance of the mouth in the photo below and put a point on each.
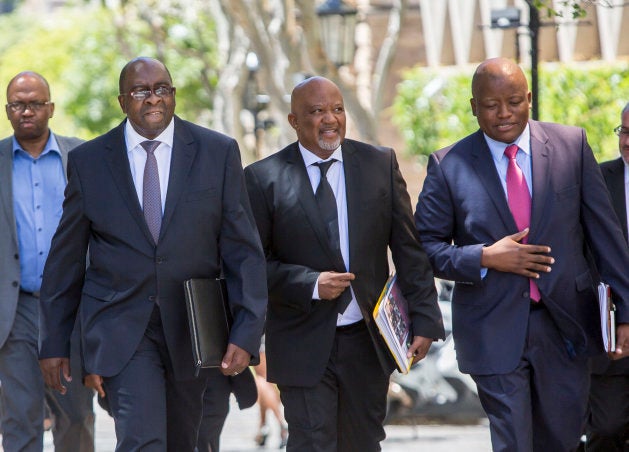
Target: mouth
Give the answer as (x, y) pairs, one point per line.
(505, 127)
(153, 114)
(329, 133)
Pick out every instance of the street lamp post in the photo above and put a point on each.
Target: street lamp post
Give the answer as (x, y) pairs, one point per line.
(338, 26)
(255, 102)
(510, 18)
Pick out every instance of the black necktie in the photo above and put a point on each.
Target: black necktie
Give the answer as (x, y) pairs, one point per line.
(151, 194)
(327, 207)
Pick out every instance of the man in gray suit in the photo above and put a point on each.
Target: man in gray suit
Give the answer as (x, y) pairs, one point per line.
(32, 181)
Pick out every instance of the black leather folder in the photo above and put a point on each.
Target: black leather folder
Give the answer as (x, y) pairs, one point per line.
(209, 319)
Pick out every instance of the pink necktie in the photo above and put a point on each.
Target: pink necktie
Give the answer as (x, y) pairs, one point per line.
(519, 202)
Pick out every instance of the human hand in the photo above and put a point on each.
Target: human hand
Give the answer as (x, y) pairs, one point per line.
(52, 368)
(622, 342)
(332, 284)
(509, 255)
(235, 361)
(95, 382)
(419, 348)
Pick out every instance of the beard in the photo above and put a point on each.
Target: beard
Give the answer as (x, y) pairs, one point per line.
(329, 146)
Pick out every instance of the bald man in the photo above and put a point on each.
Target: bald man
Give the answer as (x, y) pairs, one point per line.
(325, 273)
(508, 213)
(32, 180)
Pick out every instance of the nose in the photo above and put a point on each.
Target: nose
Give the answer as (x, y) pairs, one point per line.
(28, 108)
(503, 110)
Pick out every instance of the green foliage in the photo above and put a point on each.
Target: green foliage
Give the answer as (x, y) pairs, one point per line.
(82, 63)
(587, 96)
(577, 8)
(432, 109)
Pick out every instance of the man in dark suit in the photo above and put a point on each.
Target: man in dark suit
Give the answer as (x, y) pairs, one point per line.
(522, 331)
(130, 299)
(32, 180)
(326, 268)
(216, 404)
(608, 422)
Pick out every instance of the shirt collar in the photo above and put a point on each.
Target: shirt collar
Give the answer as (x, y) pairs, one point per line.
(497, 148)
(133, 138)
(310, 158)
(51, 146)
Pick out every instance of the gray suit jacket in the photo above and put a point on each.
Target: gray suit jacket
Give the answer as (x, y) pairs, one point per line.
(9, 251)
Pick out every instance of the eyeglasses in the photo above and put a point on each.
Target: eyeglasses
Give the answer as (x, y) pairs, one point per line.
(621, 131)
(20, 107)
(145, 93)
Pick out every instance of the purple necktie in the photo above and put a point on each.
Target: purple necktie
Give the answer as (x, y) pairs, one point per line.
(519, 202)
(151, 194)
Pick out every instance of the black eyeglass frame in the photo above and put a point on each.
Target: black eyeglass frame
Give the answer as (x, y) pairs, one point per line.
(21, 107)
(620, 130)
(145, 93)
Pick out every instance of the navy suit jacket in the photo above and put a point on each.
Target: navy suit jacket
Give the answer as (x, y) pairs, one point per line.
(207, 226)
(300, 331)
(463, 208)
(614, 175)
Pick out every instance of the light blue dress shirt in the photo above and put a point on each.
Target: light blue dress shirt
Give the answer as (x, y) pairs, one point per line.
(38, 186)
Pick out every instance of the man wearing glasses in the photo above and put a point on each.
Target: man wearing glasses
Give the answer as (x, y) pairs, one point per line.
(156, 200)
(32, 180)
(608, 422)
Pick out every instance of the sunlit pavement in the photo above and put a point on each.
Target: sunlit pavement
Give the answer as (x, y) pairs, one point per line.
(241, 427)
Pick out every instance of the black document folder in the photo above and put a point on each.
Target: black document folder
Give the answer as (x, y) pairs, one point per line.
(209, 319)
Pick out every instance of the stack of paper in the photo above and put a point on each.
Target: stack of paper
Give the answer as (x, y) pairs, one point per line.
(391, 316)
(608, 320)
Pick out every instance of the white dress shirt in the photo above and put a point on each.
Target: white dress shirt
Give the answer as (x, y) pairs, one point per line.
(137, 158)
(336, 178)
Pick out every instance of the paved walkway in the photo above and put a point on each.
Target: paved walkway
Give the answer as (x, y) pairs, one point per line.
(241, 427)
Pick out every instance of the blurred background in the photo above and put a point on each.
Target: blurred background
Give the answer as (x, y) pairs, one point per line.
(404, 67)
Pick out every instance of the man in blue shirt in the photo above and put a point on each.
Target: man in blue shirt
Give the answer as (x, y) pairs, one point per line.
(32, 182)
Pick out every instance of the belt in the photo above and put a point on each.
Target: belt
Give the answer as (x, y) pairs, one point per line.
(350, 327)
(30, 294)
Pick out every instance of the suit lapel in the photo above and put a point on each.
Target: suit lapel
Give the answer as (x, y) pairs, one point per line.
(118, 162)
(6, 179)
(353, 184)
(484, 165)
(299, 181)
(183, 153)
(541, 147)
(617, 188)
(63, 150)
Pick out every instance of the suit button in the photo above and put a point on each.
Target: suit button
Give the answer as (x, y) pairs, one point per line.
(152, 298)
(16, 256)
(526, 294)
(15, 284)
(160, 260)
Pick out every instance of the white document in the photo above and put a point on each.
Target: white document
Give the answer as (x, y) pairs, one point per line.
(607, 314)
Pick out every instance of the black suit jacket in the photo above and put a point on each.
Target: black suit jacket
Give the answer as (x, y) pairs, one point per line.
(207, 225)
(299, 330)
(614, 175)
